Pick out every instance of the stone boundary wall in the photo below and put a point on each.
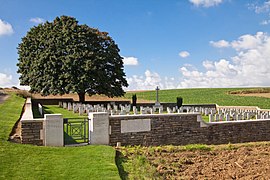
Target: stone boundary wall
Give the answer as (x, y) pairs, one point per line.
(55, 101)
(51, 101)
(31, 132)
(182, 129)
(31, 129)
(46, 131)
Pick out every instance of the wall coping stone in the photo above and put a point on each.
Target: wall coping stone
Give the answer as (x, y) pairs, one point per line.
(154, 115)
(235, 122)
(33, 120)
(28, 113)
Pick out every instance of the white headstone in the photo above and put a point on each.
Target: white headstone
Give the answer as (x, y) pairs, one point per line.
(210, 117)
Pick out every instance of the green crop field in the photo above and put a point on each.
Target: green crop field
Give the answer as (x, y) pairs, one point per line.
(18, 161)
(218, 96)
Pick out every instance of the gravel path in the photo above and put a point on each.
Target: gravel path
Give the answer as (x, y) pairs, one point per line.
(3, 98)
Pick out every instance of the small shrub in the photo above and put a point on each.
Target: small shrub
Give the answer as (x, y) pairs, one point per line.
(179, 101)
(14, 87)
(231, 147)
(134, 100)
(193, 147)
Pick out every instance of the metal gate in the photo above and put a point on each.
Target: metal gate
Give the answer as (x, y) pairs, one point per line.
(76, 131)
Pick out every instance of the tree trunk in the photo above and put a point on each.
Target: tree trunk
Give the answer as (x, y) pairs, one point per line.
(81, 97)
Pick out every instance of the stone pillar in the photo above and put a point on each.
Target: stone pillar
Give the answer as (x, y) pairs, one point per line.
(99, 128)
(53, 130)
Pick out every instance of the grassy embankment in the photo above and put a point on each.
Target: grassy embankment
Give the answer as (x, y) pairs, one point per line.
(33, 162)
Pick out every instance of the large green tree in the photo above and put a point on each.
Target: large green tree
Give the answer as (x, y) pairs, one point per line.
(62, 56)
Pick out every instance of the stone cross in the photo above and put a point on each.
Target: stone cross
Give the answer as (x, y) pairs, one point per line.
(157, 101)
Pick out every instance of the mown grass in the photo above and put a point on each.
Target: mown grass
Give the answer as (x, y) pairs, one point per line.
(55, 109)
(220, 96)
(19, 161)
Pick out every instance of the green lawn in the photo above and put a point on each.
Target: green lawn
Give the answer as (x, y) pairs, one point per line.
(54, 109)
(218, 96)
(19, 161)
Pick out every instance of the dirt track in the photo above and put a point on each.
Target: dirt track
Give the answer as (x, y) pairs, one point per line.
(3, 98)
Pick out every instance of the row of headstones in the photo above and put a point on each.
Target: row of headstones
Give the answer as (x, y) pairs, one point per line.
(234, 110)
(111, 109)
(126, 109)
(203, 110)
(82, 108)
(236, 115)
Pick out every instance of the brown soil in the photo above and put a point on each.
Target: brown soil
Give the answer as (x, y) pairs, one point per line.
(266, 95)
(76, 98)
(228, 162)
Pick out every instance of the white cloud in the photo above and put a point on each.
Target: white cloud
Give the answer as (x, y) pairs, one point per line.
(260, 8)
(37, 20)
(5, 28)
(149, 81)
(205, 3)
(249, 67)
(265, 22)
(220, 44)
(5, 80)
(248, 41)
(8, 81)
(130, 61)
(184, 54)
(208, 64)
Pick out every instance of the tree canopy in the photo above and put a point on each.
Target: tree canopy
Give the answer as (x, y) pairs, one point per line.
(62, 57)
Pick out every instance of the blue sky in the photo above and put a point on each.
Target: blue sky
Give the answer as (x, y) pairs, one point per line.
(172, 44)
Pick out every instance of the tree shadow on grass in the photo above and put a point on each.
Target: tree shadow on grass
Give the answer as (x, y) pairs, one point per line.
(69, 140)
(119, 160)
(47, 110)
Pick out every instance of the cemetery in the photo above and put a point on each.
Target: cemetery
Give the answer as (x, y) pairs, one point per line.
(158, 130)
(151, 125)
(150, 129)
